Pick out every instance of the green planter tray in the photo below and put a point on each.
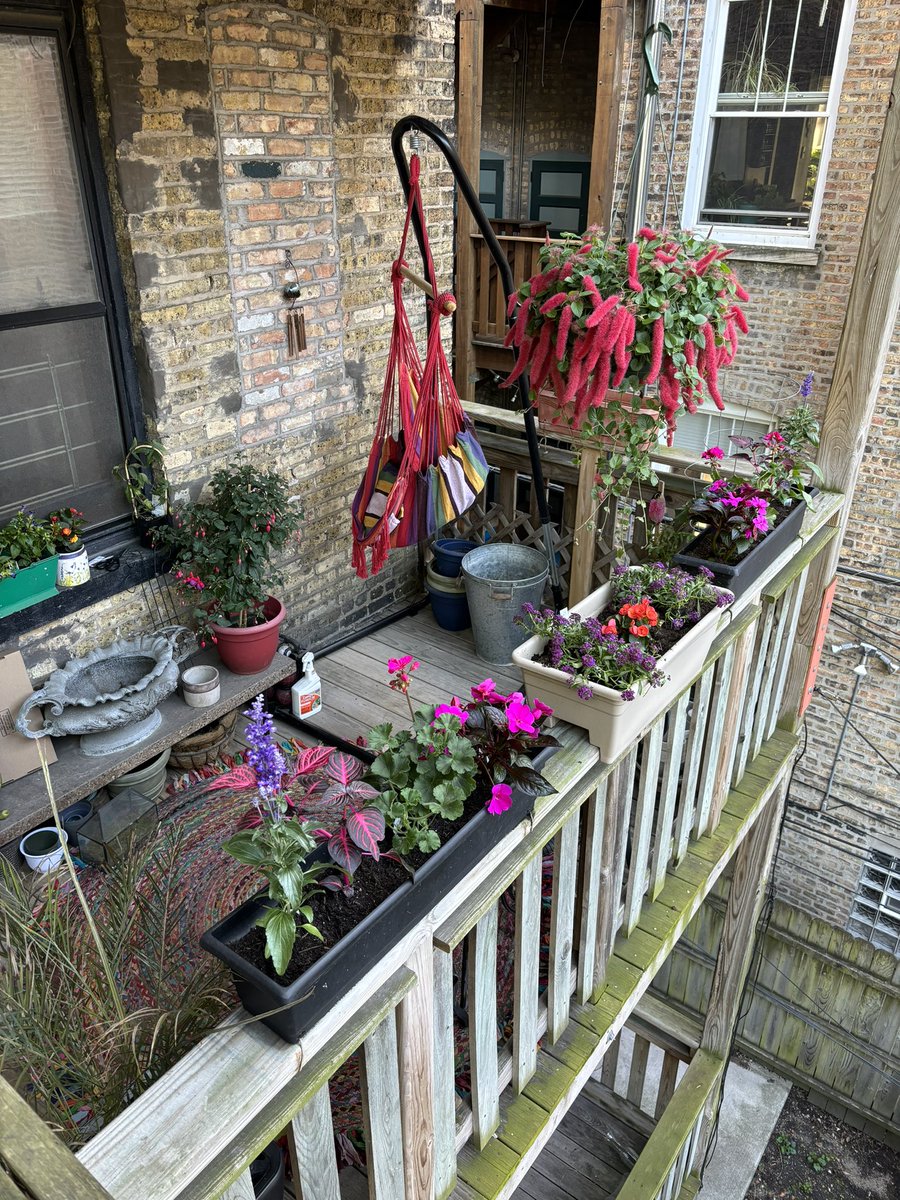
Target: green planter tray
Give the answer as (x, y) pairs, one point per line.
(29, 586)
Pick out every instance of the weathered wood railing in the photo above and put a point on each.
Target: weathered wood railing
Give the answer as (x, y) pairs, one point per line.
(628, 852)
(489, 310)
(671, 1153)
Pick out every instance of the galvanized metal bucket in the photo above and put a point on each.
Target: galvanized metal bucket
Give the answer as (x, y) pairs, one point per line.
(500, 577)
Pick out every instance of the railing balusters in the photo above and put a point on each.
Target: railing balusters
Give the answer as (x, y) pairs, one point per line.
(241, 1189)
(444, 1077)
(639, 869)
(482, 980)
(793, 601)
(640, 1053)
(668, 1079)
(611, 1064)
(527, 965)
(562, 917)
(692, 760)
(594, 815)
(664, 846)
(311, 1147)
(715, 731)
(751, 695)
(380, 1085)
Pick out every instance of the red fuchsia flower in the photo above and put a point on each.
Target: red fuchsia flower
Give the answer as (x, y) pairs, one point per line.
(453, 710)
(519, 716)
(713, 454)
(656, 510)
(501, 799)
(192, 581)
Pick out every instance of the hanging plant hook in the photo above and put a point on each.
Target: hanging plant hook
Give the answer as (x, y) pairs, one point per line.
(651, 88)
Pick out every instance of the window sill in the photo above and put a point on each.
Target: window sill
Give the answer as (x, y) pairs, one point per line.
(783, 256)
(136, 565)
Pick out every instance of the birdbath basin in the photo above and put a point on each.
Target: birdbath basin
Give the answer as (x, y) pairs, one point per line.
(110, 697)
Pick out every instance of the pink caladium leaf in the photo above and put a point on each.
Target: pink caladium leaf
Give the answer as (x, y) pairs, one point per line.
(354, 793)
(343, 851)
(343, 767)
(366, 828)
(313, 758)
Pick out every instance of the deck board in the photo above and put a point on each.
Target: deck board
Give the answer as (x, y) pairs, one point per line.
(355, 683)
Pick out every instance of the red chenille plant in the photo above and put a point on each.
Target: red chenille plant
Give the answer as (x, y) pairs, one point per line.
(603, 314)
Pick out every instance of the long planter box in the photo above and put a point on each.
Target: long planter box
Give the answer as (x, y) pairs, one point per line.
(28, 586)
(311, 995)
(612, 724)
(740, 576)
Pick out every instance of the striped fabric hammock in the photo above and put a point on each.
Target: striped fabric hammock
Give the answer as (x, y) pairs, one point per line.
(425, 467)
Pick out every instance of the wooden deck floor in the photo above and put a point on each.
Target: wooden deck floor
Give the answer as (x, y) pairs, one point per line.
(355, 691)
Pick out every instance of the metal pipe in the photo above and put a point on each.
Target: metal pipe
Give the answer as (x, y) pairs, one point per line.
(414, 123)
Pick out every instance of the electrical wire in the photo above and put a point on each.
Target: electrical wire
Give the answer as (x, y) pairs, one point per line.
(851, 622)
(818, 691)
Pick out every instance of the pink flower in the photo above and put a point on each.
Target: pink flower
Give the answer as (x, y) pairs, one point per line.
(541, 710)
(519, 716)
(656, 510)
(501, 799)
(454, 711)
(486, 693)
(713, 454)
(400, 664)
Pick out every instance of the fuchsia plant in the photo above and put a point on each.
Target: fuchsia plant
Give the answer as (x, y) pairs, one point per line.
(661, 310)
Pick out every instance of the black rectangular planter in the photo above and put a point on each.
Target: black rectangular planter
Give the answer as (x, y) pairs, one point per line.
(342, 966)
(740, 576)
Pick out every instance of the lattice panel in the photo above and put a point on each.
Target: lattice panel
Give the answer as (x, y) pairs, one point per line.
(492, 523)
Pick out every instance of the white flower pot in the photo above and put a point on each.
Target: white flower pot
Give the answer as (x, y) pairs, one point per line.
(73, 568)
(613, 724)
(42, 848)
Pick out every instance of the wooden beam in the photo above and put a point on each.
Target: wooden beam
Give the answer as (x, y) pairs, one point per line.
(470, 70)
(858, 370)
(611, 55)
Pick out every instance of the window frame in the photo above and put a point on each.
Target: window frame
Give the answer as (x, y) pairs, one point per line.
(58, 18)
(711, 55)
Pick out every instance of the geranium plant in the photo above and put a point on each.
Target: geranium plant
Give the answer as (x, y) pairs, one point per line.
(676, 597)
(279, 847)
(603, 314)
(430, 770)
(66, 527)
(223, 546)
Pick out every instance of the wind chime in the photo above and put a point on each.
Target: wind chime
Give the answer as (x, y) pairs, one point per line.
(294, 318)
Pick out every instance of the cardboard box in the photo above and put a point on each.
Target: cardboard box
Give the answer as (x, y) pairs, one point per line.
(18, 755)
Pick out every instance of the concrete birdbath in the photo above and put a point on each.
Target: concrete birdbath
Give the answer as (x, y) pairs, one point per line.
(109, 697)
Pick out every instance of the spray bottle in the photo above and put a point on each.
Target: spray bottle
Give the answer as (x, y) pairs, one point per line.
(306, 694)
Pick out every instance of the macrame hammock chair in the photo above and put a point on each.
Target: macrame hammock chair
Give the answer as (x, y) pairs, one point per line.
(425, 467)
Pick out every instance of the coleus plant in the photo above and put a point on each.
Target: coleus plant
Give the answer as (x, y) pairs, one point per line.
(357, 827)
(603, 314)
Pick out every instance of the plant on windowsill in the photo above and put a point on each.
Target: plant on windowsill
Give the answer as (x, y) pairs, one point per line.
(66, 528)
(222, 549)
(28, 562)
(623, 653)
(146, 488)
(742, 523)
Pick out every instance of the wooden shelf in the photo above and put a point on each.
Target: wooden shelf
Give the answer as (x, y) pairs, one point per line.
(74, 775)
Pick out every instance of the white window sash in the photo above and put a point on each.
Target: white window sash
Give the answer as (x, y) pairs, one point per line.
(707, 109)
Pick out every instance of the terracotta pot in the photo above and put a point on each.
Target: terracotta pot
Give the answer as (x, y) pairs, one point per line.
(249, 650)
(557, 422)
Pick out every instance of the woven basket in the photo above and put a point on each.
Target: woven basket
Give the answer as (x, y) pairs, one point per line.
(203, 747)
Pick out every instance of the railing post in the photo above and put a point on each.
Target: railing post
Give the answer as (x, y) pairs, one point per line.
(468, 117)
(752, 866)
(415, 1032)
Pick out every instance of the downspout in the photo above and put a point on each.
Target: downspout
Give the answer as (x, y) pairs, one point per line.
(654, 30)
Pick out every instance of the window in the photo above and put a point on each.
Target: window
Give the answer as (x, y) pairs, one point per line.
(876, 906)
(710, 427)
(559, 193)
(65, 366)
(768, 92)
(490, 185)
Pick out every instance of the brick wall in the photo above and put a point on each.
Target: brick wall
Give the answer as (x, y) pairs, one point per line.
(234, 134)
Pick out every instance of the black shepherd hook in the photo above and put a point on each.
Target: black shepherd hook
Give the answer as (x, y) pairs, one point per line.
(422, 125)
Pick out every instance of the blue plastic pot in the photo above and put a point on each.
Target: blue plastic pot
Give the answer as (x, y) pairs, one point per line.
(448, 601)
(449, 553)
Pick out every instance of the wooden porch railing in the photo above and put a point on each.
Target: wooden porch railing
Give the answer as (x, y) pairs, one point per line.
(670, 1155)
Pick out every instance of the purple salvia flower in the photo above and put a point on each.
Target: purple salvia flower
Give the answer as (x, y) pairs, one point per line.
(264, 756)
(806, 386)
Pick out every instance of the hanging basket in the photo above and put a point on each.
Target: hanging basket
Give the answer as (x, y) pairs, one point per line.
(203, 747)
(557, 422)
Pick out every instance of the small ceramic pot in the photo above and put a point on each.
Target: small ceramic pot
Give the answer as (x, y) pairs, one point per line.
(73, 568)
(200, 686)
(42, 848)
(75, 816)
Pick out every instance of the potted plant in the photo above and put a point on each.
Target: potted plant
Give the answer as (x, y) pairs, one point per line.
(745, 522)
(146, 488)
(623, 654)
(27, 562)
(320, 924)
(66, 528)
(222, 549)
(601, 314)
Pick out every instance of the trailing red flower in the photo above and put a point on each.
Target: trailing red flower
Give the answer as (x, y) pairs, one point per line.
(633, 282)
(656, 349)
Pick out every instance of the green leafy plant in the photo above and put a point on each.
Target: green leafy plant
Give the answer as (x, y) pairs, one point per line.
(818, 1162)
(631, 428)
(144, 481)
(24, 541)
(278, 850)
(787, 1147)
(223, 546)
(421, 773)
(91, 1015)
